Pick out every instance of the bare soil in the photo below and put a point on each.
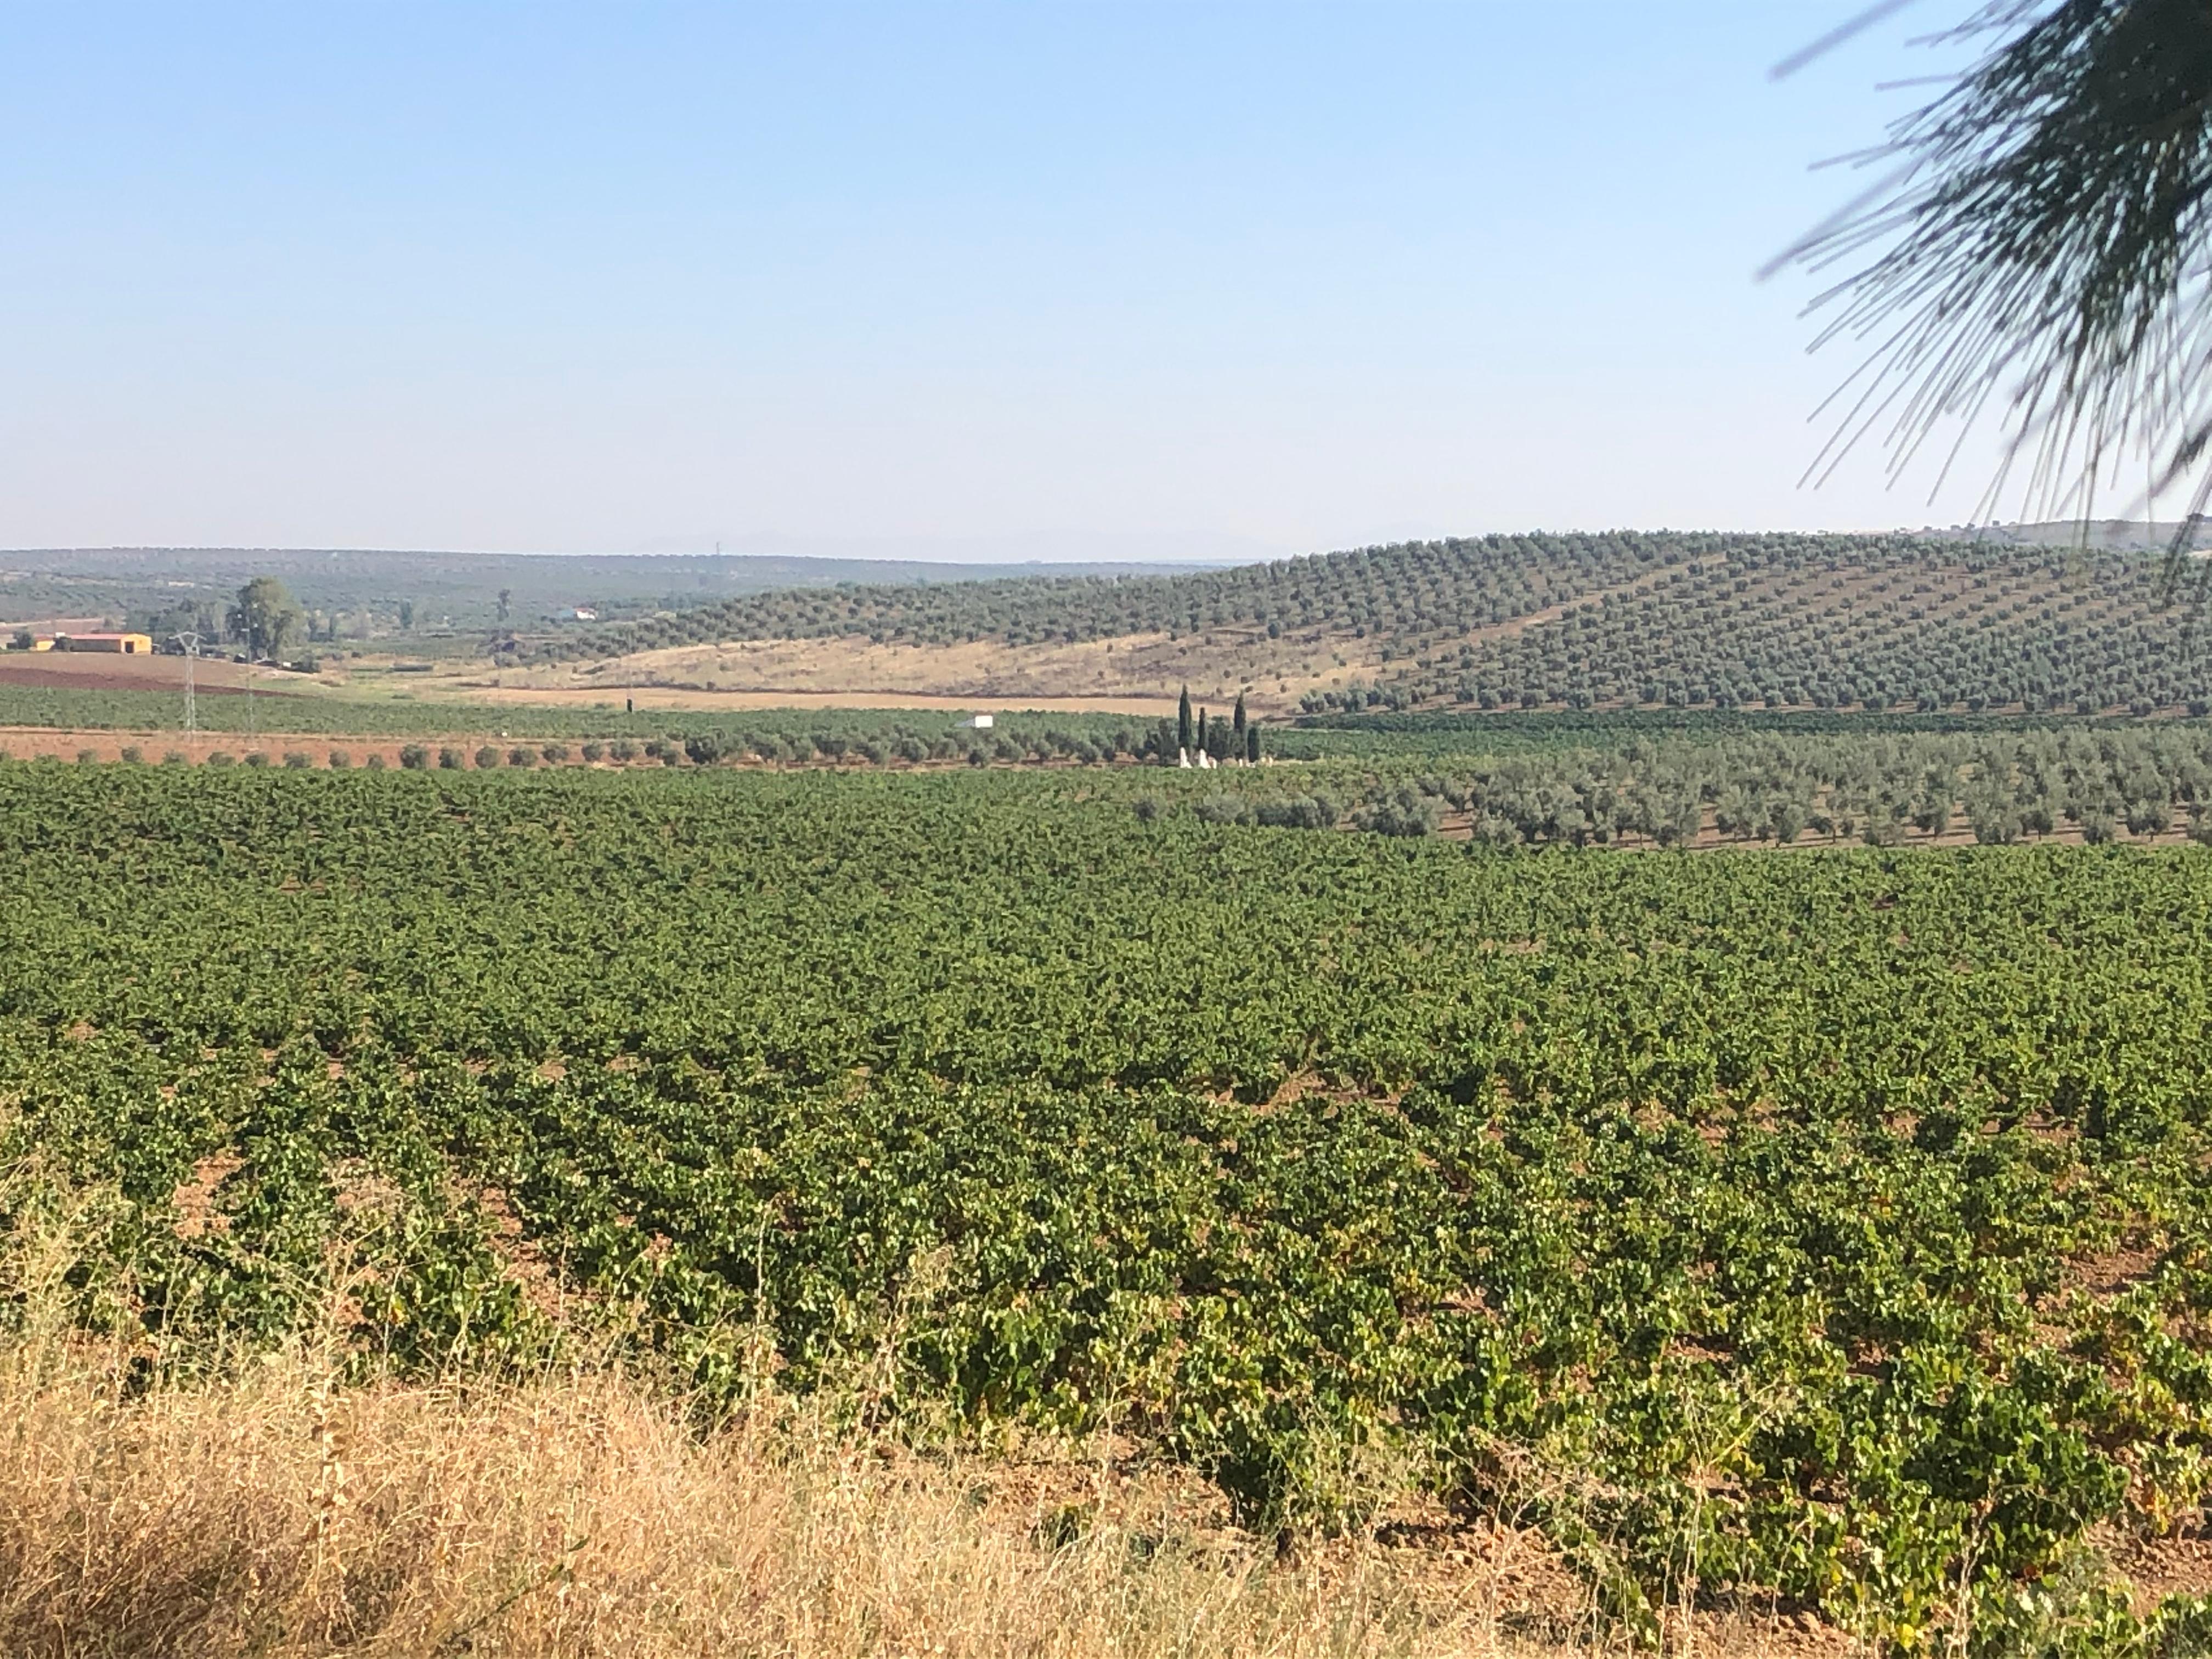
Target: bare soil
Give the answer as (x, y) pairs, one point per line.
(504, 689)
(89, 671)
(1139, 673)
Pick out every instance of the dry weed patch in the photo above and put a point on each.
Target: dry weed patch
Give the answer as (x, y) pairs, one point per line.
(277, 1512)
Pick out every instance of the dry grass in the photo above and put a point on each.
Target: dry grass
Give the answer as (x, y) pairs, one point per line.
(271, 1508)
(1138, 674)
(277, 1514)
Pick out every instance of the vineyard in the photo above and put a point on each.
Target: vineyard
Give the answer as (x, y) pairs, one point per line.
(1828, 1229)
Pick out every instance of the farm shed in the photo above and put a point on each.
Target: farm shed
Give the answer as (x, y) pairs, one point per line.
(127, 645)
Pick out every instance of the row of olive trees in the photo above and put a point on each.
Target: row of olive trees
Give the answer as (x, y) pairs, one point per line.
(1411, 589)
(1877, 789)
(1938, 627)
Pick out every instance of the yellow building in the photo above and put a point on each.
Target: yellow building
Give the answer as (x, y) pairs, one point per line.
(127, 645)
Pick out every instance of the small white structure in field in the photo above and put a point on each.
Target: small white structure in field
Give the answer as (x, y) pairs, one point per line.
(982, 723)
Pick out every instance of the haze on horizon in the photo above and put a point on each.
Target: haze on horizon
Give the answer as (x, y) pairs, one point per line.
(976, 282)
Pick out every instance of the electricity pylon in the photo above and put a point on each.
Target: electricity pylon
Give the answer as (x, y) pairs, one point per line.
(189, 643)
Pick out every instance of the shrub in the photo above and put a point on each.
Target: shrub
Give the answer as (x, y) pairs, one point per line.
(622, 750)
(594, 751)
(169, 757)
(487, 758)
(377, 763)
(340, 760)
(1995, 826)
(1402, 812)
(415, 757)
(87, 757)
(451, 760)
(221, 757)
(555, 753)
(296, 762)
(256, 757)
(133, 756)
(1299, 812)
(522, 756)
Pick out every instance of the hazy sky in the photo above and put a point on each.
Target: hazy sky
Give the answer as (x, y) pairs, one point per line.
(1023, 280)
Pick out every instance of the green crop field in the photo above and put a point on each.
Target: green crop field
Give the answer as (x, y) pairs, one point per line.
(1829, 1228)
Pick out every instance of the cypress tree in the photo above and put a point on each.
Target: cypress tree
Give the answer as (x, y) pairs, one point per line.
(1252, 744)
(1236, 719)
(1183, 720)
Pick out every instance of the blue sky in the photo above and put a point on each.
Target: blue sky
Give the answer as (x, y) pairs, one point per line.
(1026, 280)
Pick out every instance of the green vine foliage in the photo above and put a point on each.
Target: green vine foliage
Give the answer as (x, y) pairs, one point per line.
(1829, 1227)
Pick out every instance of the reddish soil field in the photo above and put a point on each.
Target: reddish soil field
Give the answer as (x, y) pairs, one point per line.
(11, 674)
(88, 671)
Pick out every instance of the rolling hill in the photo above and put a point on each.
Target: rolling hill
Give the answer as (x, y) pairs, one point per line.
(1628, 619)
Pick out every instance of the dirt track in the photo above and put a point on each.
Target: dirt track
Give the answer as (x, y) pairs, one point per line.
(1136, 706)
(475, 683)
